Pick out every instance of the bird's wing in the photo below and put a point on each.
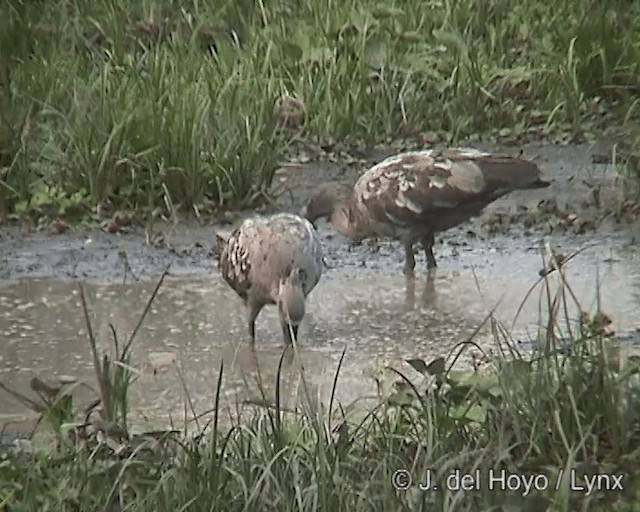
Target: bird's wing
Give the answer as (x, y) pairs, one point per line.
(414, 187)
(235, 261)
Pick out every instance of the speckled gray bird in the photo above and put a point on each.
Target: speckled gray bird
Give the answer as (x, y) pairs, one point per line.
(414, 195)
(275, 259)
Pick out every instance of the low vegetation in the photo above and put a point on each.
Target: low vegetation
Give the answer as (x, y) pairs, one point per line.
(559, 426)
(152, 106)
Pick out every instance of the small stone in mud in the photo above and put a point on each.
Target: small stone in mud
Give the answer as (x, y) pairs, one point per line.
(58, 226)
(119, 221)
(112, 227)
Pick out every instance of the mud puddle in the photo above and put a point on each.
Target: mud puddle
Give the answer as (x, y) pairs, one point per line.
(379, 318)
(363, 304)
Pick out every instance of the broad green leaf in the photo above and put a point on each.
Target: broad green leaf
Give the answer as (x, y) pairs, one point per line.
(418, 365)
(436, 367)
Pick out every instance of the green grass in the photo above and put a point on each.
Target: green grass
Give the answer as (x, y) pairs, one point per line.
(148, 104)
(570, 407)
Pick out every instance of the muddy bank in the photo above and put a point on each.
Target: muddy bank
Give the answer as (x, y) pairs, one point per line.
(103, 257)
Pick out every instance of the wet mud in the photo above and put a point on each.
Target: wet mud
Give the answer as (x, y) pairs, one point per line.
(363, 306)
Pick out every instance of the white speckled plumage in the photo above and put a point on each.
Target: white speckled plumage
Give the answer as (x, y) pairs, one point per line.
(275, 259)
(414, 195)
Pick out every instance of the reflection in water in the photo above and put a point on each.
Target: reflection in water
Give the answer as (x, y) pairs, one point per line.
(429, 296)
(196, 325)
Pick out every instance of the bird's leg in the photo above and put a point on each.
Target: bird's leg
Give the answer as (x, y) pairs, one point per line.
(427, 243)
(286, 333)
(252, 314)
(409, 262)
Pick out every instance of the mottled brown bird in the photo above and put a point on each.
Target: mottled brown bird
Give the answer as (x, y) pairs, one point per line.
(274, 259)
(414, 195)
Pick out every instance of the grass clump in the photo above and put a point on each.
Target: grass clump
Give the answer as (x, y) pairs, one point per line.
(152, 103)
(552, 420)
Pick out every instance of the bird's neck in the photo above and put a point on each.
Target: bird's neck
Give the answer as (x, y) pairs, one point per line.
(348, 220)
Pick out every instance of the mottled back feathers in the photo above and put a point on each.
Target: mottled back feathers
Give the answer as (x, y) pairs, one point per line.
(235, 265)
(264, 250)
(439, 189)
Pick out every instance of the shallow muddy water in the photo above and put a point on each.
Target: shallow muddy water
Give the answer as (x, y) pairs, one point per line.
(378, 316)
(363, 304)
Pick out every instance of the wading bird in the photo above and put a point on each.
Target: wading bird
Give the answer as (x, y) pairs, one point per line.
(275, 259)
(414, 195)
